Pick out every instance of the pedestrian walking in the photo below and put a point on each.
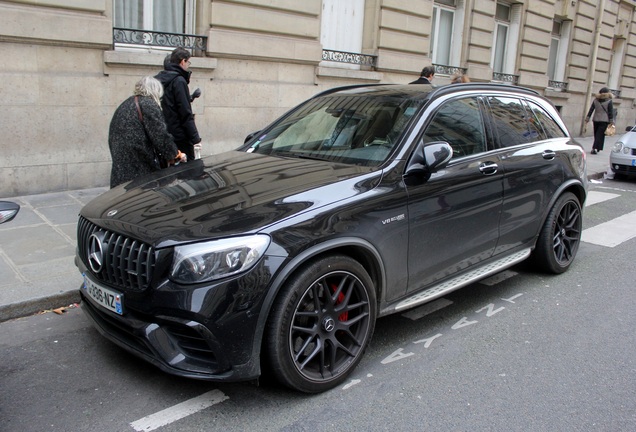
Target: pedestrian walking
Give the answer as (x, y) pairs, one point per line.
(138, 138)
(426, 76)
(603, 110)
(459, 78)
(177, 101)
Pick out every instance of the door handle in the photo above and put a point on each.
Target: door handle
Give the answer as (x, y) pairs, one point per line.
(488, 168)
(549, 155)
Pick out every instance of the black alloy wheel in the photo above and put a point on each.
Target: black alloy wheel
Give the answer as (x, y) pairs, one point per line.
(321, 324)
(560, 236)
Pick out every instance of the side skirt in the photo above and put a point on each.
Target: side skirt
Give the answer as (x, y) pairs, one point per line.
(460, 281)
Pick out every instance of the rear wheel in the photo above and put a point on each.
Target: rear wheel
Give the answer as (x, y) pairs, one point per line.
(560, 236)
(321, 324)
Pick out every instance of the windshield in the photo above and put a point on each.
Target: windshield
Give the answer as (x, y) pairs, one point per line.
(359, 130)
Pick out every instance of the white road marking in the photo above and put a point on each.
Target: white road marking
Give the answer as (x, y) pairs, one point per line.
(595, 197)
(613, 232)
(510, 300)
(351, 384)
(179, 411)
(463, 323)
(427, 309)
(428, 341)
(396, 355)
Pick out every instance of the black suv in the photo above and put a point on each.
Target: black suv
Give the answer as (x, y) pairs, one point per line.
(361, 202)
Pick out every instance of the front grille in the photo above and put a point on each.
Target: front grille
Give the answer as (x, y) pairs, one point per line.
(127, 264)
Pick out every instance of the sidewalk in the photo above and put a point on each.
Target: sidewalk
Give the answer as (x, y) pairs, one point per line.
(37, 248)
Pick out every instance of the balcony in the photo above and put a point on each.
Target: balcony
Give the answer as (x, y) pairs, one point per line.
(615, 93)
(350, 58)
(449, 70)
(124, 36)
(558, 85)
(506, 78)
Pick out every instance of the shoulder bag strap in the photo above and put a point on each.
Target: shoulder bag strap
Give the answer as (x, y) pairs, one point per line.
(141, 116)
(158, 157)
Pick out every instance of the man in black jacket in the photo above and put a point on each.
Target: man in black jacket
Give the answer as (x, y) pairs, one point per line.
(426, 76)
(176, 101)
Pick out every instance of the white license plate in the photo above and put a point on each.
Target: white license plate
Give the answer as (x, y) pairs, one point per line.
(109, 299)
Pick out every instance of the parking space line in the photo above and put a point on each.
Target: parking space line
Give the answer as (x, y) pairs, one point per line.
(613, 232)
(179, 411)
(595, 197)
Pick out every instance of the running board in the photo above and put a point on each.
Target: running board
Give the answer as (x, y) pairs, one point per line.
(463, 280)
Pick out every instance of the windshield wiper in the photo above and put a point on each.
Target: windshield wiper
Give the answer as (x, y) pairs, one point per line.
(300, 156)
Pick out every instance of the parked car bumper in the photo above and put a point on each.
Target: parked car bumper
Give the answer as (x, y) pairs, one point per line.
(169, 328)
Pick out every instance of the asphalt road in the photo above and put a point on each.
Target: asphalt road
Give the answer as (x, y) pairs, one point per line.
(521, 351)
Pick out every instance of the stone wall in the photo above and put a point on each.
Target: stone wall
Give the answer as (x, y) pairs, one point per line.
(61, 78)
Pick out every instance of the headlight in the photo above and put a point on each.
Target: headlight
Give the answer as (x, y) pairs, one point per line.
(618, 147)
(202, 262)
(627, 150)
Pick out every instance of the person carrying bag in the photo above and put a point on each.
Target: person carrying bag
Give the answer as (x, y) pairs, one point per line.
(603, 110)
(138, 138)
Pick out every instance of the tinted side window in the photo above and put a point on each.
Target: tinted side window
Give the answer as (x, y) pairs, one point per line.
(458, 122)
(550, 126)
(514, 125)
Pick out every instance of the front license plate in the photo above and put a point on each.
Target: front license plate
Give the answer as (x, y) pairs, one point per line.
(109, 299)
(633, 162)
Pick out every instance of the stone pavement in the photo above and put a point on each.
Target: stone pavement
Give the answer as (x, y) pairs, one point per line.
(37, 248)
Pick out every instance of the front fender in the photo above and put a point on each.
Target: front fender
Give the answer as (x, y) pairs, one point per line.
(373, 263)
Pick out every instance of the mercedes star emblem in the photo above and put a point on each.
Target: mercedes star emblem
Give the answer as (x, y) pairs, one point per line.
(95, 252)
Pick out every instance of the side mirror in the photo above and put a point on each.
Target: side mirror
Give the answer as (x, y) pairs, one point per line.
(429, 158)
(437, 155)
(630, 128)
(8, 210)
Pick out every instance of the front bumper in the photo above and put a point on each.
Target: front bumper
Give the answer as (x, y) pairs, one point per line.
(624, 164)
(183, 348)
(212, 338)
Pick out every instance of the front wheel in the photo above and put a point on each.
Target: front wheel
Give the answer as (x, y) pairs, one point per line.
(321, 324)
(560, 236)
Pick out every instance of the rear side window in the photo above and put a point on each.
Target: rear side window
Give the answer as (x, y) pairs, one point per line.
(513, 123)
(458, 122)
(550, 126)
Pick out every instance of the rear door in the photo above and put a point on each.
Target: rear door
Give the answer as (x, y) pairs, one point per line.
(454, 215)
(531, 162)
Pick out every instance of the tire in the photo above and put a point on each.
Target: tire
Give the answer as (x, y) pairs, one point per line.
(321, 324)
(560, 235)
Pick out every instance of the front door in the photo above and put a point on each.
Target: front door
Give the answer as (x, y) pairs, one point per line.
(454, 216)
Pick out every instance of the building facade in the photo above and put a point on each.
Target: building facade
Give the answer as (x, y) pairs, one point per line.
(68, 64)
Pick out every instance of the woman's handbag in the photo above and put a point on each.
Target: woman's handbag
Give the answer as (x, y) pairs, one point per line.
(611, 130)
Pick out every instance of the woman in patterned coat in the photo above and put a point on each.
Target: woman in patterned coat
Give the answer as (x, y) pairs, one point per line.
(138, 138)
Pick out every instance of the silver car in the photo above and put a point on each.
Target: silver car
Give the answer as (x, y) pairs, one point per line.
(623, 155)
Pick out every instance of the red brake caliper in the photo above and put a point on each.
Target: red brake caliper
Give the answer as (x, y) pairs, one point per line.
(345, 315)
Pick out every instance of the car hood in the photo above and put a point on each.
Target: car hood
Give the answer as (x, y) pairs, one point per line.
(224, 195)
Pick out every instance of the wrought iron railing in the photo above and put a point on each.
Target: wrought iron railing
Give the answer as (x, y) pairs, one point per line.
(449, 70)
(558, 85)
(348, 57)
(152, 38)
(504, 77)
(616, 93)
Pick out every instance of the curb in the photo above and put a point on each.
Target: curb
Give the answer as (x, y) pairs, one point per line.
(30, 307)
